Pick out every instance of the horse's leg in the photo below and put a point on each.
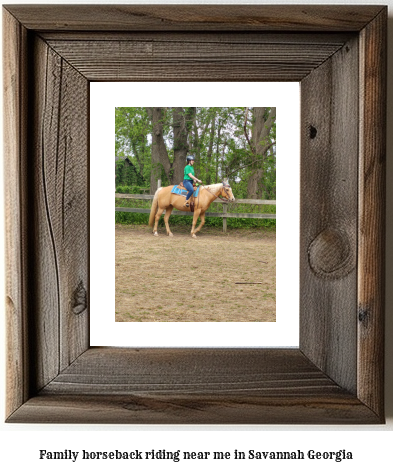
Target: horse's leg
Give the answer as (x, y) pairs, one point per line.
(166, 219)
(202, 216)
(194, 221)
(158, 215)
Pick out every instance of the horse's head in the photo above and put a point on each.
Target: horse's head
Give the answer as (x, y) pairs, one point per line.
(226, 192)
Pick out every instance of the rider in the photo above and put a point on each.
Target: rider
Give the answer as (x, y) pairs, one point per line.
(189, 178)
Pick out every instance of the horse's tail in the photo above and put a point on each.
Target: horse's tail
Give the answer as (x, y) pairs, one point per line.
(154, 206)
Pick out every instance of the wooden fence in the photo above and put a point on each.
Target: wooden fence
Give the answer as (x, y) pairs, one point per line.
(225, 214)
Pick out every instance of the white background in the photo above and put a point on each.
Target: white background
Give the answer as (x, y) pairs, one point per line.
(371, 445)
(104, 330)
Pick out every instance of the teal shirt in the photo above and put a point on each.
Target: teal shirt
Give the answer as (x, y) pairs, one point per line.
(188, 169)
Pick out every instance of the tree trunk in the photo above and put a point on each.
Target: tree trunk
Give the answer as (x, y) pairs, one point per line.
(210, 150)
(159, 153)
(261, 128)
(182, 124)
(198, 142)
(218, 149)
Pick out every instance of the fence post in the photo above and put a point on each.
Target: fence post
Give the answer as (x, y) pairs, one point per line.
(224, 219)
(159, 184)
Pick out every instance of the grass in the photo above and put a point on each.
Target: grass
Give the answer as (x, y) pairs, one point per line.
(232, 223)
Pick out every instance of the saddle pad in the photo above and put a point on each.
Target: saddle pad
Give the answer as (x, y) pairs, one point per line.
(183, 192)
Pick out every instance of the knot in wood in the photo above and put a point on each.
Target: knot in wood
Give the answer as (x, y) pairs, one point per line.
(313, 132)
(363, 316)
(80, 299)
(331, 254)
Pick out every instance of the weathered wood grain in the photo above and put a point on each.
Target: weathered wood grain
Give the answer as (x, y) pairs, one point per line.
(52, 374)
(329, 174)
(194, 386)
(43, 267)
(14, 149)
(194, 409)
(60, 232)
(187, 60)
(207, 371)
(201, 37)
(195, 17)
(372, 189)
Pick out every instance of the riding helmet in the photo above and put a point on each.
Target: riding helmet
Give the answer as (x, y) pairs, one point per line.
(190, 158)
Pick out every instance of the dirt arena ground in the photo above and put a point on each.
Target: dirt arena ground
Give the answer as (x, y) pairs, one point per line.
(216, 277)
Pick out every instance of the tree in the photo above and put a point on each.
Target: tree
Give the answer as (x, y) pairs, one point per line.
(262, 140)
(159, 153)
(171, 163)
(132, 129)
(183, 119)
(233, 142)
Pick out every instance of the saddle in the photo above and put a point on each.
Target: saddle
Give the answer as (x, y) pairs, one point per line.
(182, 191)
(182, 187)
(179, 189)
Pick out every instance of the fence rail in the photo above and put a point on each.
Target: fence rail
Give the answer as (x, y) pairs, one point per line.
(151, 196)
(225, 214)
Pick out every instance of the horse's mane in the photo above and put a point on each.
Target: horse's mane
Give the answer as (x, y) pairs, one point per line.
(213, 187)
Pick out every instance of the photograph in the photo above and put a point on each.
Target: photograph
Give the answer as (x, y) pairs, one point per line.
(195, 214)
(200, 194)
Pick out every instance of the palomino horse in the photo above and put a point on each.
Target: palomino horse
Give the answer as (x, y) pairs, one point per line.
(165, 199)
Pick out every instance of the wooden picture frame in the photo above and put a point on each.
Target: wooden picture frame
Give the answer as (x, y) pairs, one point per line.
(338, 54)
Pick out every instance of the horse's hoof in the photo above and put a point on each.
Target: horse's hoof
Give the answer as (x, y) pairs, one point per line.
(155, 234)
(193, 236)
(170, 234)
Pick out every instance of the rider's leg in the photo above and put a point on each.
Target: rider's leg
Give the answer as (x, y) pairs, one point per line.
(188, 185)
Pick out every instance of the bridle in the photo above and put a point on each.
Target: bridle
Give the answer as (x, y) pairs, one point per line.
(219, 197)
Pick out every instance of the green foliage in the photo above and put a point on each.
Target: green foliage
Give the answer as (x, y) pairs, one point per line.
(223, 140)
(131, 190)
(132, 130)
(127, 175)
(232, 223)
